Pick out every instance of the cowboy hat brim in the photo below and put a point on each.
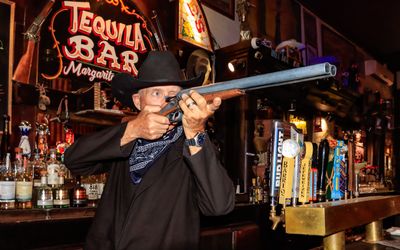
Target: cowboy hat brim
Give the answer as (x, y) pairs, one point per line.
(125, 85)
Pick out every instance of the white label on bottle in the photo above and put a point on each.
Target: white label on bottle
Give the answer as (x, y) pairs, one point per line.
(100, 188)
(23, 191)
(61, 202)
(45, 202)
(52, 174)
(7, 190)
(91, 191)
(36, 183)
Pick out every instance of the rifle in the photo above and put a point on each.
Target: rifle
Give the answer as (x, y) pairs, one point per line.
(28, 62)
(238, 87)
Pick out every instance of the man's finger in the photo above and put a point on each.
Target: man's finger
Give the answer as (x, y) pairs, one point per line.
(152, 108)
(199, 99)
(214, 106)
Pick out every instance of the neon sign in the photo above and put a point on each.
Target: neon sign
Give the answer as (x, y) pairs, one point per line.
(95, 41)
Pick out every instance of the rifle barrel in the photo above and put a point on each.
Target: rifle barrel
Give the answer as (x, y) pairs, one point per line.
(284, 77)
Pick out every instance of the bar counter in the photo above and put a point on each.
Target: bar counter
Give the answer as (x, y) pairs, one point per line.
(16, 216)
(66, 228)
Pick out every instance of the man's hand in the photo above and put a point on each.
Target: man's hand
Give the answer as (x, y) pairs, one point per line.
(148, 125)
(196, 111)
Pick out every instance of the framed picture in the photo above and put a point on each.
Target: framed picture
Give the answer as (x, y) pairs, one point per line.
(225, 7)
(7, 9)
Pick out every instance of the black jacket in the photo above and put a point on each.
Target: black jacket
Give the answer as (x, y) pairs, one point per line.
(162, 212)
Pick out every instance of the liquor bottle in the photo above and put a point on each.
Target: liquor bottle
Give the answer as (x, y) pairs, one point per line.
(4, 147)
(24, 186)
(265, 189)
(44, 194)
(252, 192)
(7, 186)
(64, 171)
(25, 127)
(42, 132)
(258, 191)
(18, 163)
(79, 198)
(38, 167)
(101, 182)
(61, 195)
(53, 169)
(92, 191)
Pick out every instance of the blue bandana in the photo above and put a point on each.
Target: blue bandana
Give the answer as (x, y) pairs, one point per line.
(146, 152)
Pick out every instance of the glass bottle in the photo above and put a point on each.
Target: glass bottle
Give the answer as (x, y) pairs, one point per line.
(38, 166)
(24, 186)
(101, 181)
(25, 127)
(61, 195)
(259, 191)
(79, 195)
(4, 147)
(18, 163)
(7, 186)
(42, 132)
(252, 191)
(92, 191)
(44, 196)
(53, 170)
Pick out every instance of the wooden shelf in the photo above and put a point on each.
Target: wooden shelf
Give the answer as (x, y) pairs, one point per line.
(17, 216)
(103, 117)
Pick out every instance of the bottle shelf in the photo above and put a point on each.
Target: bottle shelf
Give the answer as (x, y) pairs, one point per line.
(80, 105)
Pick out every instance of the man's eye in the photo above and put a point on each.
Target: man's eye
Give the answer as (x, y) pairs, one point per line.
(156, 93)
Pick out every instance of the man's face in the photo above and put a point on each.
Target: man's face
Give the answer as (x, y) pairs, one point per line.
(154, 96)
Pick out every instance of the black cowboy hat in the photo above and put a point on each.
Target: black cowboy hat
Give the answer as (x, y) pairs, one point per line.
(160, 68)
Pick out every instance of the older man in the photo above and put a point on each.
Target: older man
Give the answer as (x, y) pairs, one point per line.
(161, 175)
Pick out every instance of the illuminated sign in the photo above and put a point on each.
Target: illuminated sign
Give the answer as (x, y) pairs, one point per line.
(94, 40)
(192, 25)
(299, 122)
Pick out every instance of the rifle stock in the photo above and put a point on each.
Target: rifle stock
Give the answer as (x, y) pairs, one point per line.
(237, 87)
(26, 71)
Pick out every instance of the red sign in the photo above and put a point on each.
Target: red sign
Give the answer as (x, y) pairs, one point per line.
(94, 40)
(192, 25)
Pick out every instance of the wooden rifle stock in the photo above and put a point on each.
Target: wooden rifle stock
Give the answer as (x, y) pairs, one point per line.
(237, 87)
(26, 71)
(23, 72)
(223, 94)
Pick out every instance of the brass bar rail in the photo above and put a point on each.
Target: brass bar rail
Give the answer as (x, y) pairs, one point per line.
(326, 218)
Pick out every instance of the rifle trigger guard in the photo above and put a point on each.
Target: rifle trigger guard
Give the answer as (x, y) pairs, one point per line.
(175, 116)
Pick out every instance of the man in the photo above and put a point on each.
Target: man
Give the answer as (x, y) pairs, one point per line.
(162, 175)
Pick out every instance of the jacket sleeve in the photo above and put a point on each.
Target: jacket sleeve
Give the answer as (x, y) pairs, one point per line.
(93, 153)
(215, 191)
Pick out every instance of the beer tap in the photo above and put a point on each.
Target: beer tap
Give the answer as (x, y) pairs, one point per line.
(322, 165)
(275, 170)
(276, 219)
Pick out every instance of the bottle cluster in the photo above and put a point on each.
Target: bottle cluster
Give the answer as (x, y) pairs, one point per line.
(39, 179)
(45, 183)
(258, 192)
